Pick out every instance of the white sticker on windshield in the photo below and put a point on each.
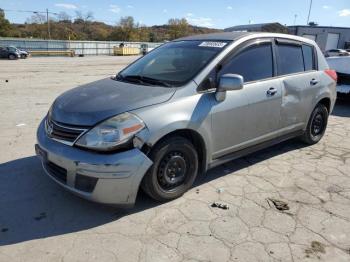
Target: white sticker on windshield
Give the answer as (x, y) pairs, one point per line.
(213, 44)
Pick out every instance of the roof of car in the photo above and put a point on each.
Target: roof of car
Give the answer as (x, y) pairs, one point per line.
(233, 36)
(226, 36)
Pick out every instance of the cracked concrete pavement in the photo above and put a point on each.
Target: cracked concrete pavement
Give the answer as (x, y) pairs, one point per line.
(39, 221)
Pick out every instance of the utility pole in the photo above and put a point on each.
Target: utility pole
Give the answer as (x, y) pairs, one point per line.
(48, 23)
(295, 19)
(308, 17)
(39, 12)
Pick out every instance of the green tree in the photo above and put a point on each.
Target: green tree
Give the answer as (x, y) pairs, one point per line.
(5, 26)
(178, 27)
(127, 28)
(84, 27)
(64, 17)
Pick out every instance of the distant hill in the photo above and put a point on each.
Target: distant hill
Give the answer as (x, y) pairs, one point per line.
(163, 31)
(125, 30)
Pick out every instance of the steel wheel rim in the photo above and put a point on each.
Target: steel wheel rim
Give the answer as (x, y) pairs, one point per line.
(317, 126)
(172, 171)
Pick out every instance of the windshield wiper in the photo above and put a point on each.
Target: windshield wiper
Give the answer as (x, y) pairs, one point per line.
(155, 81)
(130, 78)
(142, 80)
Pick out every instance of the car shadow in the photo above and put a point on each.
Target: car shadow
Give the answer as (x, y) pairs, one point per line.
(249, 160)
(32, 206)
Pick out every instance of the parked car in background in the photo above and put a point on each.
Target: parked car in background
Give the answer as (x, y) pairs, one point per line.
(336, 52)
(342, 66)
(187, 106)
(9, 52)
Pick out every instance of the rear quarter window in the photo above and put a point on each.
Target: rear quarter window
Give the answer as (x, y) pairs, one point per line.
(309, 57)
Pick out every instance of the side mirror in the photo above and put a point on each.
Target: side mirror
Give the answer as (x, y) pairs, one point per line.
(228, 82)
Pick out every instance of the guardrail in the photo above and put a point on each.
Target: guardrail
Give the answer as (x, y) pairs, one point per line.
(70, 53)
(80, 47)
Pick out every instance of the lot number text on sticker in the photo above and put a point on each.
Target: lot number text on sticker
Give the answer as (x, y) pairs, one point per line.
(213, 44)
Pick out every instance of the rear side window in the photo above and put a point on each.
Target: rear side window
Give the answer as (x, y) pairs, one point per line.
(309, 59)
(254, 63)
(290, 59)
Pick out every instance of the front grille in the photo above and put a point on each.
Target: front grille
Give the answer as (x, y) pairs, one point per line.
(63, 132)
(57, 172)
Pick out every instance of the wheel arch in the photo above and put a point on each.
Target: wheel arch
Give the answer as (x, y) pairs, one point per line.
(193, 136)
(326, 101)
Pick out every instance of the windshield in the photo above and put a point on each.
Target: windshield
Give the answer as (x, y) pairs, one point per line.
(172, 64)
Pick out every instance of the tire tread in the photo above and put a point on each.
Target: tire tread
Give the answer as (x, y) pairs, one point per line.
(306, 137)
(147, 183)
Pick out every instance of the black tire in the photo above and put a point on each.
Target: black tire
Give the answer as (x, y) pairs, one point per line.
(12, 57)
(316, 126)
(174, 169)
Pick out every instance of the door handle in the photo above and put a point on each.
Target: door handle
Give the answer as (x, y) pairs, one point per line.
(313, 82)
(271, 92)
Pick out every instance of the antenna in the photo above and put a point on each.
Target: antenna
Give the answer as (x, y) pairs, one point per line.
(308, 17)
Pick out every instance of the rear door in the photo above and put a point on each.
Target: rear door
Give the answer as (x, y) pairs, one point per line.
(250, 115)
(296, 65)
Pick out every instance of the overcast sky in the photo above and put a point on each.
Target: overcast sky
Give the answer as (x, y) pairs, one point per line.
(214, 13)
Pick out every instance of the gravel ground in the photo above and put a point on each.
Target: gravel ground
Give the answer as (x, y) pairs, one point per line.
(285, 203)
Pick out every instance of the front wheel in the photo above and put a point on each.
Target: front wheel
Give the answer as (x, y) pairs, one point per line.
(316, 126)
(12, 57)
(174, 169)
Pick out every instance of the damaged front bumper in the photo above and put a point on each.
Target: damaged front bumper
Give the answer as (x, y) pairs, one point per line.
(103, 178)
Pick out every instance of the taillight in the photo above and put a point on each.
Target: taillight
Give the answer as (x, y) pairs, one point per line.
(332, 74)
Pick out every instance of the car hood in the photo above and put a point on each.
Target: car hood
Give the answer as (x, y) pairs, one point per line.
(94, 102)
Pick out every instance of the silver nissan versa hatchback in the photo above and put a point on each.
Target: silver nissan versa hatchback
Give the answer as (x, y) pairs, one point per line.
(185, 107)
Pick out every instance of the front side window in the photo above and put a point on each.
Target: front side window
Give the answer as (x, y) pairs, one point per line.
(254, 63)
(172, 64)
(289, 59)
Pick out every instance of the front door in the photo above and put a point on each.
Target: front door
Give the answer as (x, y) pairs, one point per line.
(248, 116)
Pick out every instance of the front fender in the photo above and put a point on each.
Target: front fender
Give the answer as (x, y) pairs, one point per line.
(189, 113)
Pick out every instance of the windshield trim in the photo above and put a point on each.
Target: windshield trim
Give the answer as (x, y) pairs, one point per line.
(200, 70)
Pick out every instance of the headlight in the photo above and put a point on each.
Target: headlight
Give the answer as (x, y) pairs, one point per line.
(112, 133)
